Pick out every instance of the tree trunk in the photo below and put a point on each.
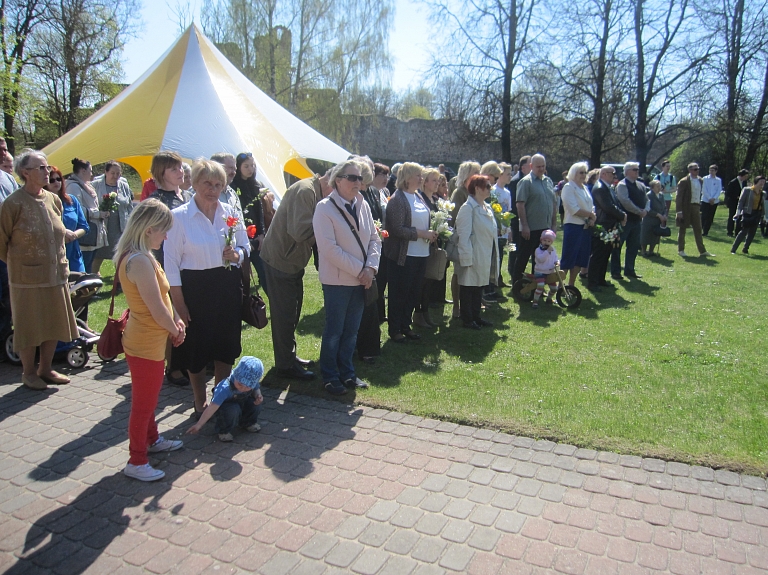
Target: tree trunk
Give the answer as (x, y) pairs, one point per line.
(506, 98)
(733, 62)
(757, 126)
(641, 119)
(596, 139)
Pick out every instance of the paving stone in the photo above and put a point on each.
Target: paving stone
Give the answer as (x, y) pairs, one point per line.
(431, 524)
(402, 542)
(376, 534)
(456, 557)
(428, 549)
(457, 531)
(370, 561)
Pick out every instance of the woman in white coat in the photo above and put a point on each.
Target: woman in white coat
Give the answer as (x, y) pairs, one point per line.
(478, 250)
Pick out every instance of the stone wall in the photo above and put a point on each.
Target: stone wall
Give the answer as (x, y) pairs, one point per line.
(424, 141)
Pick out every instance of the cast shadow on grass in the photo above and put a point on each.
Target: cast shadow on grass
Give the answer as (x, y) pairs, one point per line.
(659, 260)
(640, 287)
(311, 323)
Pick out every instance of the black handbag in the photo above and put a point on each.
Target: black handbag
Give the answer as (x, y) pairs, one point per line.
(253, 310)
(92, 236)
(662, 231)
(371, 293)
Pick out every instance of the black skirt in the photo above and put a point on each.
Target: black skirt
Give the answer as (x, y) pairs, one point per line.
(213, 298)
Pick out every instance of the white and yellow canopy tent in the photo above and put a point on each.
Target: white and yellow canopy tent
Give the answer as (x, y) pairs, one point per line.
(195, 102)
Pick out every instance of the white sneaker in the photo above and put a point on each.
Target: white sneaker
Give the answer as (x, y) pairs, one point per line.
(706, 254)
(143, 472)
(253, 428)
(682, 254)
(163, 444)
(225, 437)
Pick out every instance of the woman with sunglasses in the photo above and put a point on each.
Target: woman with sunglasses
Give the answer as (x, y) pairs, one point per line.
(249, 189)
(348, 249)
(32, 237)
(73, 218)
(578, 222)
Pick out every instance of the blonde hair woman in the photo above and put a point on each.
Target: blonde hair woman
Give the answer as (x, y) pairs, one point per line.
(152, 322)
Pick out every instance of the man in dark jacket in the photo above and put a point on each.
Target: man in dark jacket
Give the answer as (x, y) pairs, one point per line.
(609, 213)
(732, 195)
(632, 195)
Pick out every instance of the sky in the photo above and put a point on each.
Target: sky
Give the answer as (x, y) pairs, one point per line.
(408, 41)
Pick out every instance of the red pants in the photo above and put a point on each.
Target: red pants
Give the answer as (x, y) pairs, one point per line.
(146, 381)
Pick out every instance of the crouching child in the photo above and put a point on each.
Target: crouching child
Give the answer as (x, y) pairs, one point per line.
(236, 400)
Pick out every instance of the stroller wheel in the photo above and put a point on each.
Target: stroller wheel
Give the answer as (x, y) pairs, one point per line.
(77, 357)
(105, 359)
(568, 297)
(12, 356)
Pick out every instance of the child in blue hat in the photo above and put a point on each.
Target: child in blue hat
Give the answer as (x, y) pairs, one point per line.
(236, 400)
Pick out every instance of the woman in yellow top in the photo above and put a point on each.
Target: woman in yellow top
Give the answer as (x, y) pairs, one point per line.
(151, 322)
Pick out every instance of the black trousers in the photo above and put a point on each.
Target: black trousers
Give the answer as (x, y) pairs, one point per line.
(598, 262)
(747, 233)
(404, 291)
(381, 282)
(471, 301)
(285, 301)
(369, 332)
(525, 249)
(707, 216)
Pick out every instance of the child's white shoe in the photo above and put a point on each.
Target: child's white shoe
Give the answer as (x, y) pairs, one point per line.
(143, 472)
(225, 437)
(253, 428)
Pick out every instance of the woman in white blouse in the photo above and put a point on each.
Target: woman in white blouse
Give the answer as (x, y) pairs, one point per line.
(205, 278)
(578, 222)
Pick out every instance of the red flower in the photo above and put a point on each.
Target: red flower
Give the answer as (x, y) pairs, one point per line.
(251, 231)
(231, 221)
(384, 234)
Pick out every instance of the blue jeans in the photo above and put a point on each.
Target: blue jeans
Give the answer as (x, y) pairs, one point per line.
(234, 412)
(343, 311)
(630, 238)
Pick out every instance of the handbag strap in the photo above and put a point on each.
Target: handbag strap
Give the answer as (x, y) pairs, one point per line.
(247, 276)
(115, 283)
(353, 230)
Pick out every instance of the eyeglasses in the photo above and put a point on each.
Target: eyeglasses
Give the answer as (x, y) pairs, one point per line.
(42, 168)
(351, 177)
(694, 169)
(54, 180)
(582, 173)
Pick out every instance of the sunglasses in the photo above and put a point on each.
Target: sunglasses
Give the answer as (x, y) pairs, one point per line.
(244, 156)
(351, 177)
(54, 180)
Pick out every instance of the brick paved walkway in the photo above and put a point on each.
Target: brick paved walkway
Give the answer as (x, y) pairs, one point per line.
(327, 488)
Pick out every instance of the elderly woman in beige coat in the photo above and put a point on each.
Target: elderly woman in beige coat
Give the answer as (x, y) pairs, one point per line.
(478, 250)
(32, 237)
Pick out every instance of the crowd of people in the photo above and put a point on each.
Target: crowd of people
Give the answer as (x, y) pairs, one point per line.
(182, 253)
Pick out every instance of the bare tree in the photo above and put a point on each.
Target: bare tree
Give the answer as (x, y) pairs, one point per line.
(485, 42)
(593, 72)
(183, 12)
(757, 136)
(18, 19)
(669, 59)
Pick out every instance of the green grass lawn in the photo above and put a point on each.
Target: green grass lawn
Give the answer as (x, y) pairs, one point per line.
(671, 366)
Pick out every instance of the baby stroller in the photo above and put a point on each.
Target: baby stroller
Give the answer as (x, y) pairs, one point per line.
(82, 287)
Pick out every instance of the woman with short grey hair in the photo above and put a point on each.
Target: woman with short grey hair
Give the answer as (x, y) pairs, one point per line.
(578, 222)
(32, 236)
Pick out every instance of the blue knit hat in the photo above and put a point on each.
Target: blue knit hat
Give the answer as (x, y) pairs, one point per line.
(249, 371)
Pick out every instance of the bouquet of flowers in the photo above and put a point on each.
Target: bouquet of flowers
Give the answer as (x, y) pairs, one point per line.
(380, 230)
(502, 218)
(108, 202)
(439, 220)
(229, 238)
(612, 236)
